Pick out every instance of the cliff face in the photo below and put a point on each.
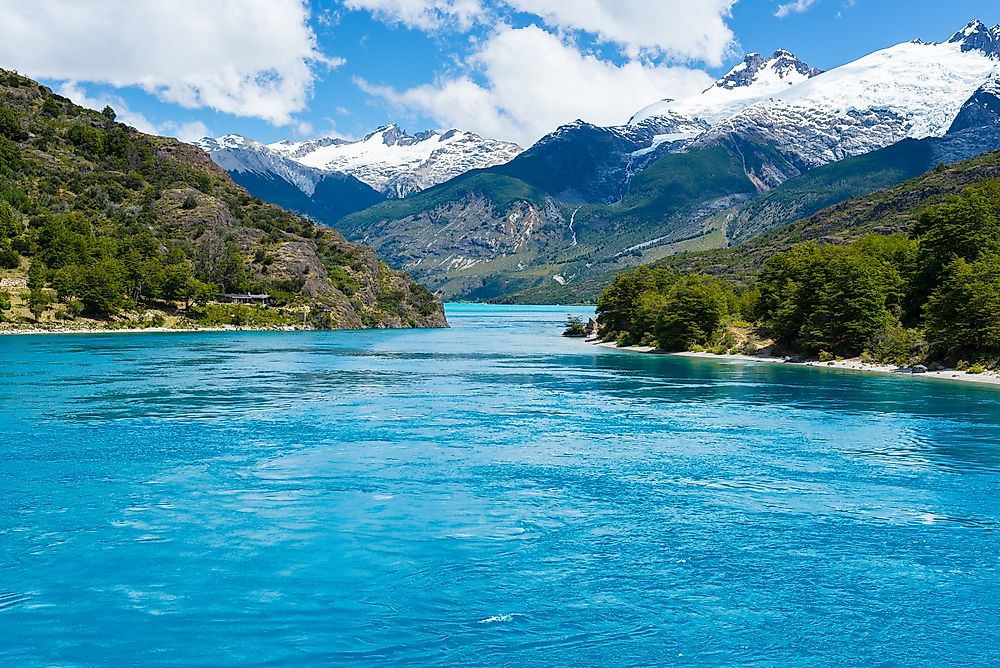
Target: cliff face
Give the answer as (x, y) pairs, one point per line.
(95, 205)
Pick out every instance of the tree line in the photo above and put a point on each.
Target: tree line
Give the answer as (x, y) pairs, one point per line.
(933, 293)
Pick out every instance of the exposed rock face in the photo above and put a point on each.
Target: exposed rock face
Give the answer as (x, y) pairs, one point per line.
(783, 63)
(978, 37)
(460, 235)
(982, 110)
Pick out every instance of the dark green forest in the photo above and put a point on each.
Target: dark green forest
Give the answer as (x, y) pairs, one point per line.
(932, 294)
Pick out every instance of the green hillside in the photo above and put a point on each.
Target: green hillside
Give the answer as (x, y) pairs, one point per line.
(101, 225)
(886, 211)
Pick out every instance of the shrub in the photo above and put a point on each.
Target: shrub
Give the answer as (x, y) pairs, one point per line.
(9, 258)
(900, 346)
(10, 124)
(575, 326)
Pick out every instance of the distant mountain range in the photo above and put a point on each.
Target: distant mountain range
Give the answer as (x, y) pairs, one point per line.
(771, 141)
(330, 177)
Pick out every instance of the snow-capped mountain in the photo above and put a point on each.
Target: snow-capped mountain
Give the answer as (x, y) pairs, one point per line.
(754, 80)
(911, 90)
(394, 162)
(322, 195)
(238, 155)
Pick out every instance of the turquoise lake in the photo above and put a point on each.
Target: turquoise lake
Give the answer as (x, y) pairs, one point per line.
(492, 494)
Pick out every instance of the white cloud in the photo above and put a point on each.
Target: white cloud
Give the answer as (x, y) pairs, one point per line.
(678, 28)
(246, 57)
(183, 131)
(796, 7)
(422, 14)
(535, 82)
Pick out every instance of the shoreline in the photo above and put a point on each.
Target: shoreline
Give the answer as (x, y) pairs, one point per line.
(987, 378)
(141, 330)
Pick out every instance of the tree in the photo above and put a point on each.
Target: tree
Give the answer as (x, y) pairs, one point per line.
(830, 298)
(90, 140)
(575, 327)
(51, 108)
(201, 293)
(36, 276)
(963, 313)
(176, 282)
(693, 312)
(5, 304)
(963, 227)
(38, 301)
(206, 292)
(9, 258)
(109, 114)
(9, 226)
(101, 287)
(618, 306)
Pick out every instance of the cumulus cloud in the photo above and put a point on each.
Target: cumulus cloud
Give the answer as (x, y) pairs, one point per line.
(252, 58)
(535, 81)
(678, 28)
(423, 14)
(184, 131)
(796, 7)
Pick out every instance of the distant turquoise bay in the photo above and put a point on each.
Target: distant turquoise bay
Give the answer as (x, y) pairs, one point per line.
(492, 494)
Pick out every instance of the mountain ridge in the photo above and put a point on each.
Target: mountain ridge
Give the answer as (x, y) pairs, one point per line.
(389, 160)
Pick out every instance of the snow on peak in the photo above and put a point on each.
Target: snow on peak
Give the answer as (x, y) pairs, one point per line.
(210, 144)
(754, 80)
(926, 84)
(237, 154)
(782, 66)
(978, 37)
(391, 160)
(917, 88)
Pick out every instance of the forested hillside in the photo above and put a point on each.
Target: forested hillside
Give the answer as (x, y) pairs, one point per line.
(886, 211)
(924, 287)
(100, 223)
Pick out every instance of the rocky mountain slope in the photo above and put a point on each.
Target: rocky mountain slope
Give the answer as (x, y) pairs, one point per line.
(697, 173)
(975, 130)
(101, 222)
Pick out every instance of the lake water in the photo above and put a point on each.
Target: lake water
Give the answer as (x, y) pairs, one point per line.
(491, 494)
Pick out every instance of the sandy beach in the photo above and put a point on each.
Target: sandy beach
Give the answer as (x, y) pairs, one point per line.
(987, 378)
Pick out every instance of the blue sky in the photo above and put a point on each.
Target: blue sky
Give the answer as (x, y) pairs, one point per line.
(514, 69)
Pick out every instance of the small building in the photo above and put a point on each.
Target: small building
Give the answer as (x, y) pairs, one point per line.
(260, 300)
